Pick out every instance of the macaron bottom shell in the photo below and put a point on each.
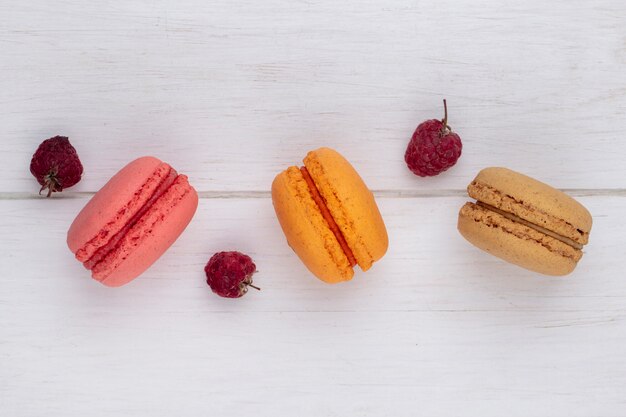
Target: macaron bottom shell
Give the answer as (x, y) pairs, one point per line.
(516, 243)
(306, 231)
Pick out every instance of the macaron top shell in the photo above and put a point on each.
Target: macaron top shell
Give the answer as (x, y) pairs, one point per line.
(351, 204)
(533, 201)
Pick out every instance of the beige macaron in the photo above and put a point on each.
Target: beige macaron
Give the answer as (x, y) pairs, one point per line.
(525, 222)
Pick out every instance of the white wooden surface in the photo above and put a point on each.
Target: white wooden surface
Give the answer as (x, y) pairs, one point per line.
(230, 93)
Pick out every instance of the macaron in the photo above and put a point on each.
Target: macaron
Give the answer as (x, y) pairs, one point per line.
(329, 216)
(525, 222)
(132, 221)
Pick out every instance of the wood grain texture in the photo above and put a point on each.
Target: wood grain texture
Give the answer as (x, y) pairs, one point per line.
(232, 92)
(437, 327)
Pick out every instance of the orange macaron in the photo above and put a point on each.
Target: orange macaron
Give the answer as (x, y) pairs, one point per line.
(329, 216)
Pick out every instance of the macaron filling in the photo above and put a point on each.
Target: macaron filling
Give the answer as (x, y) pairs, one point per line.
(103, 251)
(533, 226)
(321, 204)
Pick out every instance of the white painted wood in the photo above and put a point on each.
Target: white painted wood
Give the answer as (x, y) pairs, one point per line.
(436, 328)
(231, 92)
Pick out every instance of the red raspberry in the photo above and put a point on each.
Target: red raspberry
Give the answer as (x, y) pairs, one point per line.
(55, 164)
(433, 148)
(229, 274)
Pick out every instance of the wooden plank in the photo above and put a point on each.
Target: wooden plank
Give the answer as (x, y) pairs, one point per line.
(435, 328)
(233, 92)
(428, 266)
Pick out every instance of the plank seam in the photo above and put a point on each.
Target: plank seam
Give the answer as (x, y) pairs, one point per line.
(243, 194)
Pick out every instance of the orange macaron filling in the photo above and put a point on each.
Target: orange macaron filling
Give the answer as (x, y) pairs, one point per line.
(317, 197)
(102, 252)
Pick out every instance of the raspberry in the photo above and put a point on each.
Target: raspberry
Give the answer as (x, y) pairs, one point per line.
(55, 164)
(433, 148)
(229, 274)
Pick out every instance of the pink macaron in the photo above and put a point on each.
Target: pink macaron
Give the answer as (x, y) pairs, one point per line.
(132, 221)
